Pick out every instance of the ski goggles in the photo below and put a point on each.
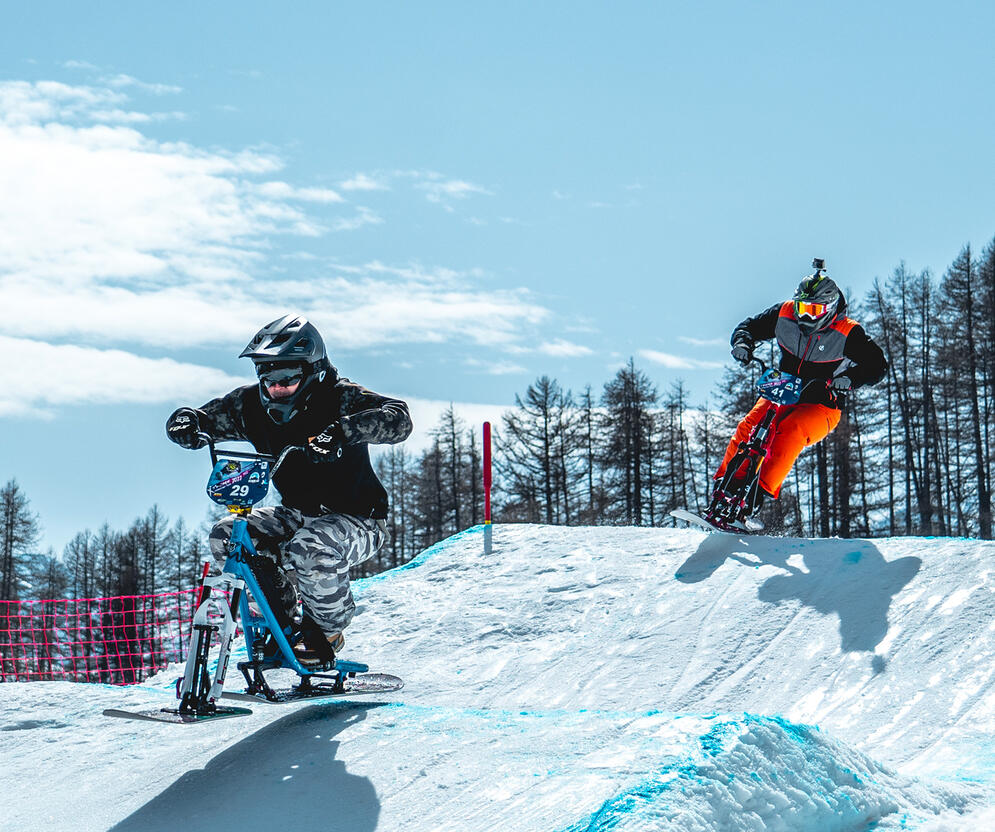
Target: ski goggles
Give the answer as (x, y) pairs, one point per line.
(280, 375)
(804, 309)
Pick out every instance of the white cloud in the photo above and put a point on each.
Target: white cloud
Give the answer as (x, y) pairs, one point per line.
(109, 238)
(363, 216)
(107, 234)
(678, 362)
(704, 342)
(564, 349)
(282, 190)
(497, 367)
(362, 182)
(104, 201)
(23, 102)
(36, 377)
(440, 190)
(120, 80)
(118, 116)
(360, 307)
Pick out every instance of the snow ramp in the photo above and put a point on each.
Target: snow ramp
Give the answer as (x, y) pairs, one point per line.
(580, 679)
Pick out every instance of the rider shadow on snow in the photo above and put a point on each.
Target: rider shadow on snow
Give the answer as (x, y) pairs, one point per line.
(284, 776)
(849, 578)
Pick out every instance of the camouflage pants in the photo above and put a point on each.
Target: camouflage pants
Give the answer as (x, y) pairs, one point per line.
(313, 556)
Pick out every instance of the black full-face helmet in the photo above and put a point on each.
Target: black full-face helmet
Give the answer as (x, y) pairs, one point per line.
(290, 360)
(817, 301)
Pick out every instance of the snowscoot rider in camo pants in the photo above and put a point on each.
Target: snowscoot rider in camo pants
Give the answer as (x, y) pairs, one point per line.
(333, 508)
(817, 341)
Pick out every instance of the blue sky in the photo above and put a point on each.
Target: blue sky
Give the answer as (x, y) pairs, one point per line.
(461, 197)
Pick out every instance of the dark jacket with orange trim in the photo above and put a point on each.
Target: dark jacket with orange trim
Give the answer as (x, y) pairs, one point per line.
(841, 349)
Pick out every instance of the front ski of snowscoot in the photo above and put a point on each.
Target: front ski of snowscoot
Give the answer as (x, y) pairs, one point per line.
(198, 690)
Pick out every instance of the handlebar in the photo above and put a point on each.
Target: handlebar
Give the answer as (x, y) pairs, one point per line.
(277, 461)
(805, 386)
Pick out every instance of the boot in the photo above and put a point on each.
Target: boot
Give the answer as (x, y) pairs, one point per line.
(754, 502)
(310, 658)
(317, 647)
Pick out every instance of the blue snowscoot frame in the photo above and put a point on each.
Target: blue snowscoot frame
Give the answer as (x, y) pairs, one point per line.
(238, 481)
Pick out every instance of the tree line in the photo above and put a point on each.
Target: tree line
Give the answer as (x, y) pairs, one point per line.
(910, 456)
(150, 556)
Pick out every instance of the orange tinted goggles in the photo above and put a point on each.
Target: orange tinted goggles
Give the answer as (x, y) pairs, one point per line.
(810, 310)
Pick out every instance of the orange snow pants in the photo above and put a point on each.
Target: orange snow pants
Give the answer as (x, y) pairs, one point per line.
(795, 430)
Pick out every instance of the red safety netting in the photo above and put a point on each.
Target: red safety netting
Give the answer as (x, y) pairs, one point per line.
(119, 640)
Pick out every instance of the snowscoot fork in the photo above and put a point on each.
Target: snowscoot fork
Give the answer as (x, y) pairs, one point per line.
(197, 690)
(737, 487)
(743, 472)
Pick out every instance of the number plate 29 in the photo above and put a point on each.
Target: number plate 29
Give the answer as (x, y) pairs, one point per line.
(237, 482)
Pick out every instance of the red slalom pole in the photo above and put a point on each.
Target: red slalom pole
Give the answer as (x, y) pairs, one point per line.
(200, 590)
(487, 488)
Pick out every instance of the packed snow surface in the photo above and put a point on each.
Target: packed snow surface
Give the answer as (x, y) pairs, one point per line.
(577, 679)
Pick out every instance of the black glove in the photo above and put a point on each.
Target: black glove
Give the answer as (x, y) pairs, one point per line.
(840, 384)
(743, 353)
(183, 428)
(327, 445)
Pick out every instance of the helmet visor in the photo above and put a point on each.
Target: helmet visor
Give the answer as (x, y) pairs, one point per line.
(280, 381)
(810, 311)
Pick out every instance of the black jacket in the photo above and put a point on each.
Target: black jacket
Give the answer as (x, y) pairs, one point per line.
(843, 349)
(347, 485)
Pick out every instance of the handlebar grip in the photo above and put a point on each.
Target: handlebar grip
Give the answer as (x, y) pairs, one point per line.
(283, 456)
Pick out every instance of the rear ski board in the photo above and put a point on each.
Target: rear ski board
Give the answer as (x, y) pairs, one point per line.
(691, 517)
(360, 684)
(174, 717)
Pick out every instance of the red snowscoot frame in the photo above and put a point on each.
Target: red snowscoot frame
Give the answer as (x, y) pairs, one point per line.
(738, 487)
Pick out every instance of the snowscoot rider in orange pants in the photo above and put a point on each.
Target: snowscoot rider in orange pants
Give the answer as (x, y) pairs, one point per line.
(817, 341)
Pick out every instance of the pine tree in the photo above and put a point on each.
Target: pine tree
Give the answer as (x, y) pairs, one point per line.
(47, 576)
(627, 422)
(963, 311)
(542, 439)
(80, 559)
(448, 435)
(18, 533)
